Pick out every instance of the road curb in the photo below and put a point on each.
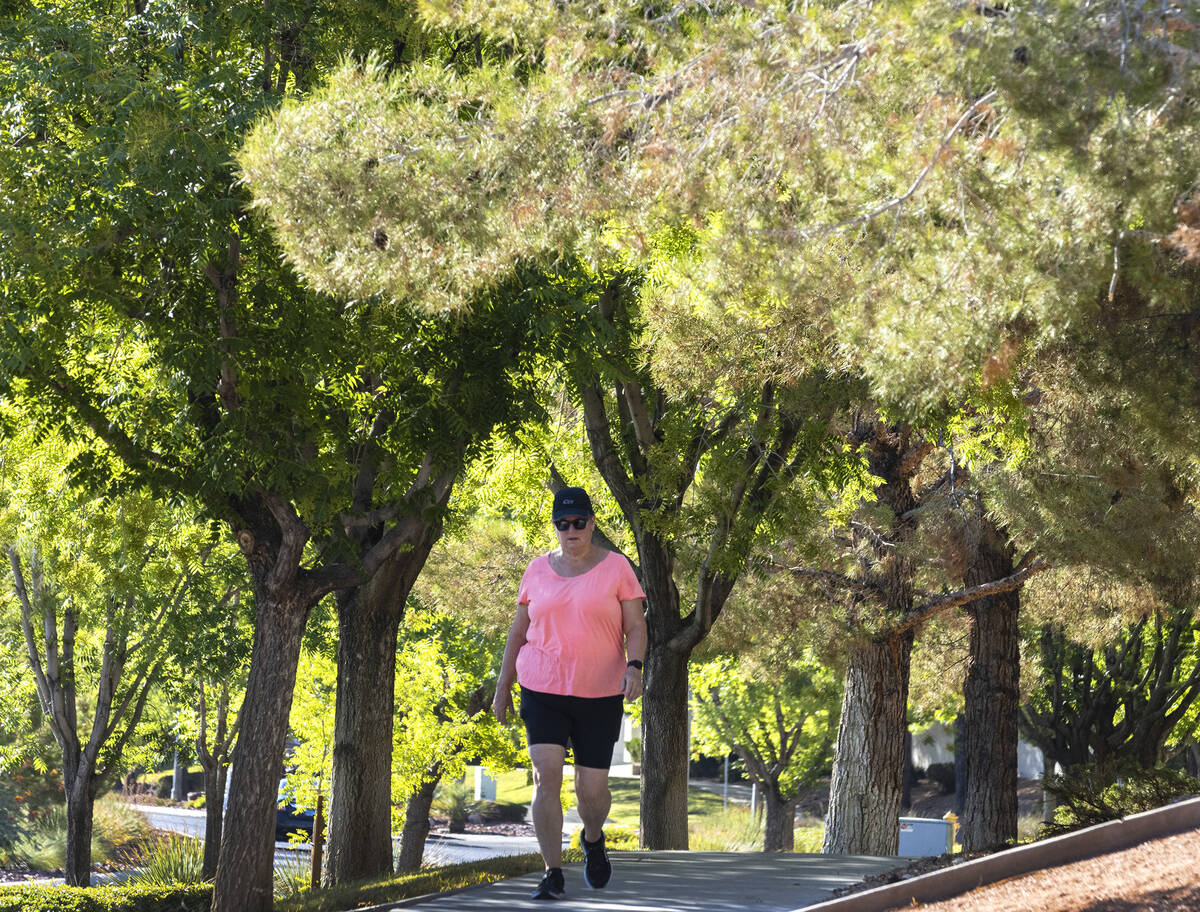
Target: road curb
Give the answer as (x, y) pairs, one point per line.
(1048, 853)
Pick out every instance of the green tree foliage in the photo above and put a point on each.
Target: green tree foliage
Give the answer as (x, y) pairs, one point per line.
(309, 765)
(1127, 698)
(104, 589)
(144, 301)
(448, 666)
(780, 720)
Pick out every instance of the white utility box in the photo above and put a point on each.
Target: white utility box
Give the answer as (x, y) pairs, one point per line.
(921, 836)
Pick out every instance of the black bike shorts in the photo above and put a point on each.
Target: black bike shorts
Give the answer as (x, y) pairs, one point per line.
(589, 725)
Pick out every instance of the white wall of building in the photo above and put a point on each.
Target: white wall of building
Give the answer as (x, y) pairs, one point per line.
(936, 745)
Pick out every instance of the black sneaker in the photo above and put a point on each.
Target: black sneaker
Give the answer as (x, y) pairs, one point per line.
(552, 886)
(597, 869)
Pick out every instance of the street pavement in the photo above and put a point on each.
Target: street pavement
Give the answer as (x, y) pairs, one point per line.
(677, 882)
(440, 849)
(642, 881)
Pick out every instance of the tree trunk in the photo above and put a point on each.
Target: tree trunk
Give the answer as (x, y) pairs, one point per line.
(214, 816)
(960, 765)
(80, 807)
(360, 807)
(780, 831)
(992, 696)
(864, 795)
(245, 870)
(665, 751)
(416, 826)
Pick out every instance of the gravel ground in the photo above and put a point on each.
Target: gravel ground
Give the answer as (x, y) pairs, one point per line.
(1162, 875)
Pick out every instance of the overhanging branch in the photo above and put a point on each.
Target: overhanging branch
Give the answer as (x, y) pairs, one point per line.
(960, 597)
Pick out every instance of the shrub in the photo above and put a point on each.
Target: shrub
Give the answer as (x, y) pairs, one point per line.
(943, 775)
(120, 898)
(293, 876)
(634, 746)
(170, 860)
(13, 823)
(454, 800)
(118, 832)
(616, 836)
(501, 811)
(1096, 794)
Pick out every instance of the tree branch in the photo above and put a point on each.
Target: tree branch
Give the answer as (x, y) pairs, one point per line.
(294, 536)
(839, 580)
(35, 659)
(904, 197)
(965, 596)
(604, 451)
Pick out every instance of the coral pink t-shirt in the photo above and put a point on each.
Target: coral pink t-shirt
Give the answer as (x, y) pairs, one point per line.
(575, 644)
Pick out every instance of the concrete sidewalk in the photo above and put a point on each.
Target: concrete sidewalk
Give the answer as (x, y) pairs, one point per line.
(676, 882)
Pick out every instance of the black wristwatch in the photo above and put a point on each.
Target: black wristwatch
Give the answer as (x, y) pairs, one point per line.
(634, 663)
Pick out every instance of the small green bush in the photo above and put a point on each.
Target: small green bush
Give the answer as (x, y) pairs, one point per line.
(454, 800)
(117, 898)
(634, 746)
(943, 775)
(616, 836)
(1096, 794)
(501, 811)
(169, 861)
(118, 832)
(294, 876)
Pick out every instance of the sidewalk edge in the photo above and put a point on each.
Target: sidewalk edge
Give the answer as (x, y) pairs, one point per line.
(1048, 853)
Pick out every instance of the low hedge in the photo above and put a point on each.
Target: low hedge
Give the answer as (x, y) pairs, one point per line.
(114, 898)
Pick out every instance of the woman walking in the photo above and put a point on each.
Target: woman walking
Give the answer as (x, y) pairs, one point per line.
(576, 648)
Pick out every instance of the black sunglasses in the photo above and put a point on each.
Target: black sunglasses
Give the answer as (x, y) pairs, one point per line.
(562, 525)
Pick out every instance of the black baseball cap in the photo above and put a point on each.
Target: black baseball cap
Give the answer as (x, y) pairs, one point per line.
(571, 502)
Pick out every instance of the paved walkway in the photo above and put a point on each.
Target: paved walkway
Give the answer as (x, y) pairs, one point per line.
(678, 882)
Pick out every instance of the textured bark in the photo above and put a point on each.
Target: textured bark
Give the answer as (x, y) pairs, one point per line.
(214, 818)
(664, 705)
(360, 812)
(865, 791)
(80, 807)
(245, 875)
(992, 696)
(780, 827)
(864, 794)
(416, 826)
(214, 760)
(664, 750)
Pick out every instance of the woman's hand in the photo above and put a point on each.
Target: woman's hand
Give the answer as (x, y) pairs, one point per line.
(503, 705)
(632, 683)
